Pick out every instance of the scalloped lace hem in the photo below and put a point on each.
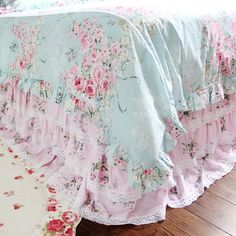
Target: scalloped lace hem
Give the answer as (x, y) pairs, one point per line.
(193, 196)
(99, 218)
(160, 214)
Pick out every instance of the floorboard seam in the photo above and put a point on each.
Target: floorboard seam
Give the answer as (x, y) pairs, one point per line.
(209, 222)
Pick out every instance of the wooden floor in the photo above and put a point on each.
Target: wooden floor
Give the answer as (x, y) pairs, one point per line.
(213, 214)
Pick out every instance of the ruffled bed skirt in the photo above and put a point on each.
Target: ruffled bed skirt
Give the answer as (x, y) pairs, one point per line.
(203, 155)
(49, 140)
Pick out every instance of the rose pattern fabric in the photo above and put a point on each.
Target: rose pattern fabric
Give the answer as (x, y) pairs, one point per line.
(21, 5)
(54, 219)
(97, 100)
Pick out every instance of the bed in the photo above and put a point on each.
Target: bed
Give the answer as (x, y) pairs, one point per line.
(126, 109)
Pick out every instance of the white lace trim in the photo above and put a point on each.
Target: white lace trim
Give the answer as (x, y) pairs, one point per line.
(208, 180)
(214, 115)
(101, 219)
(184, 164)
(160, 213)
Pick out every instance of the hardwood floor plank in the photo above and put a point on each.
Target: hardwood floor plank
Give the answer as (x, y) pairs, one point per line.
(190, 224)
(222, 191)
(225, 187)
(179, 222)
(233, 172)
(87, 228)
(215, 210)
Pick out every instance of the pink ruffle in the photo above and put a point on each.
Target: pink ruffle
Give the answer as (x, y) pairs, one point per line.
(49, 139)
(201, 157)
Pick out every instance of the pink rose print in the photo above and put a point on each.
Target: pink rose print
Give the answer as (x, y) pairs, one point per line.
(1, 224)
(85, 63)
(52, 201)
(85, 42)
(94, 78)
(120, 161)
(1, 155)
(173, 190)
(17, 206)
(104, 86)
(78, 103)
(52, 205)
(73, 70)
(52, 208)
(95, 56)
(111, 76)
(69, 231)
(8, 194)
(79, 83)
(27, 36)
(22, 63)
(116, 48)
(105, 53)
(233, 27)
(55, 225)
(19, 177)
(30, 171)
(147, 172)
(69, 217)
(51, 189)
(98, 34)
(90, 88)
(100, 171)
(10, 150)
(97, 74)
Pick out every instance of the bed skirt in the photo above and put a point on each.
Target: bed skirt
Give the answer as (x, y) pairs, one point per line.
(205, 153)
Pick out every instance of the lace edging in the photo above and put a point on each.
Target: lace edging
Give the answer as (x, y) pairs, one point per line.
(101, 219)
(209, 180)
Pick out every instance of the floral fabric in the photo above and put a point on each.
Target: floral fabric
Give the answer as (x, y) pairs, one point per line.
(93, 97)
(25, 5)
(27, 205)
